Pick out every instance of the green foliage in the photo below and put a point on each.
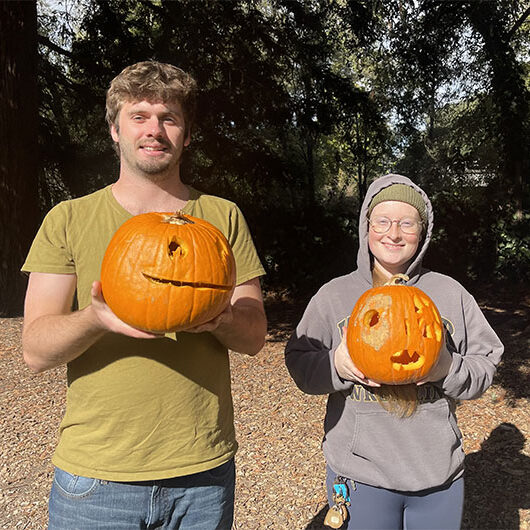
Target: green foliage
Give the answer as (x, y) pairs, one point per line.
(302, 249)
(513, 249)
(477, 238)
(301, 105)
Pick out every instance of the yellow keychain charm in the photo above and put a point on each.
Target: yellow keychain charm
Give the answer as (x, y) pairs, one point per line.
(335, 516)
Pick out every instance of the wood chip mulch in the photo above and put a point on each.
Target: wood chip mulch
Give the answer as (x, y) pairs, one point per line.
(280, 468)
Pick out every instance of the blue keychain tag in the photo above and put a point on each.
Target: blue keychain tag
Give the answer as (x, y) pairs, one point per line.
(341, 490)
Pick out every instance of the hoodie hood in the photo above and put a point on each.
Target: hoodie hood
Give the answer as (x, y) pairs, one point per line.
(364, 261)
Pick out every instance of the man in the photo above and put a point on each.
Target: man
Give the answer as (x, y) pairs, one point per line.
(147, 440)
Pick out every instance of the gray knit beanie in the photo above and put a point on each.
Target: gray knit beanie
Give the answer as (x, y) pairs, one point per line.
(401, 193)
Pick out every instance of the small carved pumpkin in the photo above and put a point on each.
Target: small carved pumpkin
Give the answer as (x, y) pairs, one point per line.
(167, 272)
(394, 334)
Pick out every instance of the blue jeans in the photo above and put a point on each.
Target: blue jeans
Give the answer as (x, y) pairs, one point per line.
(203, 501)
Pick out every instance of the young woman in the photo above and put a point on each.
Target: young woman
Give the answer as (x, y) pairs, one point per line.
(394, 454)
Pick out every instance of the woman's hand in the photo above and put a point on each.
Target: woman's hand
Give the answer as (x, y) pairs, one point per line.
(345, 367)
(440, 368)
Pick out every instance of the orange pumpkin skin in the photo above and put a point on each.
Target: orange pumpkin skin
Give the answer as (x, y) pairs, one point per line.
(394, 334)
(165, 272)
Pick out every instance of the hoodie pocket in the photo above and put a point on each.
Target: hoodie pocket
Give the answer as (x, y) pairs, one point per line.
(409, 454)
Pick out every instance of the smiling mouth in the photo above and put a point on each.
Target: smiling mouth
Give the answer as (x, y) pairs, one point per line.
(196, 285)
(153, 149)
(405, 360)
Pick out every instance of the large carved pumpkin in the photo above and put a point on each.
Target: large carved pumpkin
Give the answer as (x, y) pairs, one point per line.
(394, 334)
(167, 272)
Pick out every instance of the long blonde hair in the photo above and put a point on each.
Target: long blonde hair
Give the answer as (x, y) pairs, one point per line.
(401, 400)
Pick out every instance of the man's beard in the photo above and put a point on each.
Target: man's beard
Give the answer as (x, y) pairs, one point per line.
(159, 170)
(154, 170)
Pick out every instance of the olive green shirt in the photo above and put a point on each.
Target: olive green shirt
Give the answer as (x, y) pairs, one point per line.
(140, 409)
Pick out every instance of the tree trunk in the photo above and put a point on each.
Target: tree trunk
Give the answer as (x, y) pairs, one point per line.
(19, 212)
(311, 187)
(360, 155)
(511, 97)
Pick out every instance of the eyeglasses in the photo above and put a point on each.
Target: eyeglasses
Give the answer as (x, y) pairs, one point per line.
(381, 225)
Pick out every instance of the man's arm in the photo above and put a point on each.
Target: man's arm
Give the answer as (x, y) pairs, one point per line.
(243, 325)
(53, 334)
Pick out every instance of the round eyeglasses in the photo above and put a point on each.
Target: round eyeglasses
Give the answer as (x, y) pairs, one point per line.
(381, 225)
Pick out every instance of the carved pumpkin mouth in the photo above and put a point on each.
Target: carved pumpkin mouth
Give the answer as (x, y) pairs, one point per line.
(196, 285)
(403, 360)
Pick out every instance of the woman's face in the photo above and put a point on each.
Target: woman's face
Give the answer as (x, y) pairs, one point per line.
(394, 250)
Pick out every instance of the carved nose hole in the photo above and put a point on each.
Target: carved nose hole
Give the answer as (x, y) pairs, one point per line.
(172, 248)
(371, 318)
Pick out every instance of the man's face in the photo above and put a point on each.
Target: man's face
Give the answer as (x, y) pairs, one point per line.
(151, 138)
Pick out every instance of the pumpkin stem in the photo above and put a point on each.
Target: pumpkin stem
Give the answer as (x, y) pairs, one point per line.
(178, 218)
(398, 279)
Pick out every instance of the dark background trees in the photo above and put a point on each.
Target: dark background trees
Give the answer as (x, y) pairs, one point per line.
(302, 104)
(19, 213)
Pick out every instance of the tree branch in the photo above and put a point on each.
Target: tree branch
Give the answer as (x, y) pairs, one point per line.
(518, 24)
(45, 41)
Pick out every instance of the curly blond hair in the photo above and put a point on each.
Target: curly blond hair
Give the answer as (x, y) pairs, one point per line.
(152, 81)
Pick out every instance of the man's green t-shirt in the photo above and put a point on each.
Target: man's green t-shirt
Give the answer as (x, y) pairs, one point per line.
(140, 409)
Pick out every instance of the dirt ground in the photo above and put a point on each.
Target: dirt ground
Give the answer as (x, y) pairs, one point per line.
(280, 468)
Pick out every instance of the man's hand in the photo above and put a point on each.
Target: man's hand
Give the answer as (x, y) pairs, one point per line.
(110, 322)
(225, 317)
(54, 335)
(242, 326)
(345, 367)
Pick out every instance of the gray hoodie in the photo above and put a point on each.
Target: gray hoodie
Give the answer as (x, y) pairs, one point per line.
(362, 440)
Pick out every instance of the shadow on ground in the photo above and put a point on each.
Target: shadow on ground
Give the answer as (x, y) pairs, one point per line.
(500, 461)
